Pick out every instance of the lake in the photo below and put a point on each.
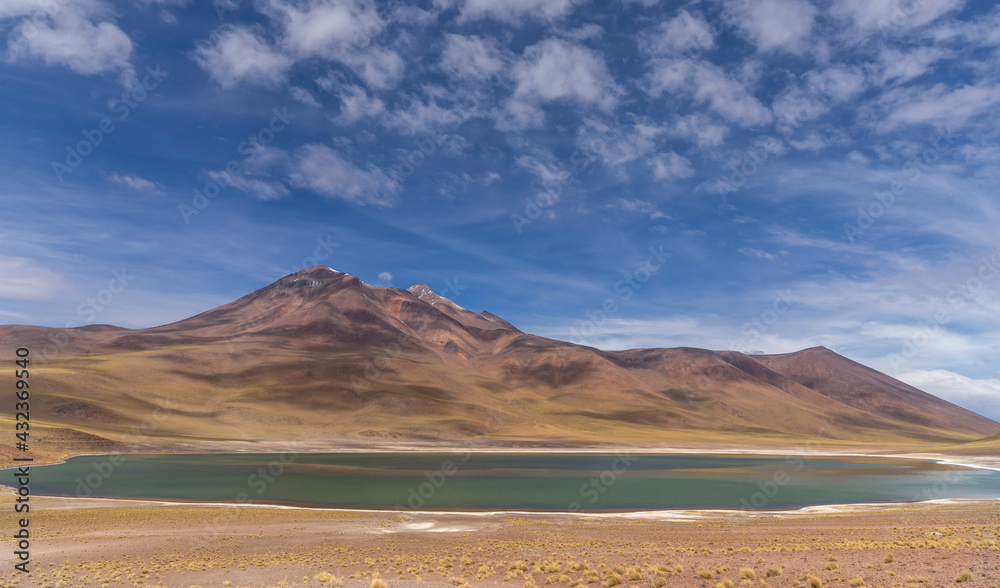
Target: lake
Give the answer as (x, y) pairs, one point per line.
(537, 482)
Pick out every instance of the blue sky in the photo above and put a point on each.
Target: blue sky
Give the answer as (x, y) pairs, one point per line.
(763, 176)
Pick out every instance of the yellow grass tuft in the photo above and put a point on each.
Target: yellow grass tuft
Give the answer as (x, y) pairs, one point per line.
(963, 577)
(747, 573)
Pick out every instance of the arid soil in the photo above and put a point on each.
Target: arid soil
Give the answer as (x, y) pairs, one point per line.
(88, 542)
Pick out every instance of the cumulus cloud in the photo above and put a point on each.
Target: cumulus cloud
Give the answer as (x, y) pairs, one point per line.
(816, 93)
(617, 145)
(338, 30)
(24, 279)
(80, 36)
(514, 11)
(707, 83)
(385, 277)
(773, 24)
(685, 32)
(982, 396)
(701, 129)
(642, 207)
(304, 96)
(324, 171)
(133, 182)
(758, 253)
(356, 104)
(236, 54)
(939, 104)
(670, 166)
(258, 188)
(544, 166)
(471, 57)
(555, 69)
(892, 15)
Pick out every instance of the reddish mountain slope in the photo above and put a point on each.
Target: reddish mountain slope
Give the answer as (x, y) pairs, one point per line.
(321, 354)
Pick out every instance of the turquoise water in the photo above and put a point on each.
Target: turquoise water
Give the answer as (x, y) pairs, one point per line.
(543, 482)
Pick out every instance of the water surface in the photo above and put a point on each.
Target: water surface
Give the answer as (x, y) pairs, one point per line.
(546, 482)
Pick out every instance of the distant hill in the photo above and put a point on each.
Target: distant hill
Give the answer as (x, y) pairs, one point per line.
(320, 354)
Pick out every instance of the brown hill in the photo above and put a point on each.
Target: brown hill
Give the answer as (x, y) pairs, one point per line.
(320, 354)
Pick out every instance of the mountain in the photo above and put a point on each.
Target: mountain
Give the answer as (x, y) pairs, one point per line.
(321, 355)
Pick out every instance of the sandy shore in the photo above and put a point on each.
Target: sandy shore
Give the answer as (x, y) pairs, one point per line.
(99, 542)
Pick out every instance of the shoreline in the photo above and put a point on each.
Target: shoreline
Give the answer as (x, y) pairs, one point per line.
(968, 461)
(687, 514)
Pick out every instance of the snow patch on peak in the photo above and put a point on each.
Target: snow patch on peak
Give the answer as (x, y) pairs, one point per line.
(423, 292)
(331, 269)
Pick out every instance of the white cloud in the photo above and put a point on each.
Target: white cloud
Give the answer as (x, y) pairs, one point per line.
(338, 30)
(356, 104)
(684, 32)
(236, 54)
(555, 69)
(617, 145)
(758, 253)
(24, 279)
(939, 104)
(773, 24)
(669, 166)
(471, 57)
(415, 115)
(700, 129)
(304, 96)
(707, 83)
(258, 188)
(898, 67)
(80, 36)
(513, 11)
(982, 396)
(642, 207)
(379, 67)
(815, 94)
(326, 172)
(892, 15)
(544, 166)
(133, 182)
(858, 157)
(385, 277)
(324, 27)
